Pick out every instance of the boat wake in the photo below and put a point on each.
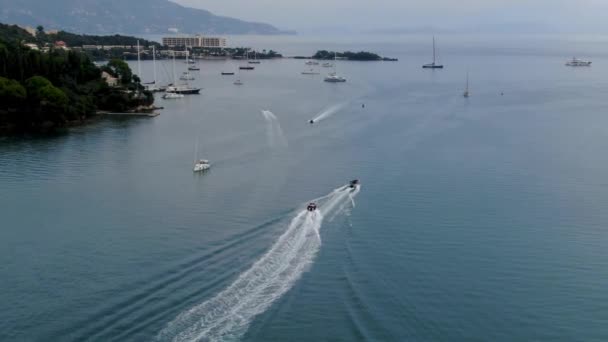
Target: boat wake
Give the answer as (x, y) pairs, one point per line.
(227, 315)
(274, 132)
(327, 112)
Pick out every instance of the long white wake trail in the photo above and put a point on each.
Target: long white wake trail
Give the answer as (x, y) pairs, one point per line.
(227, 315)
(329, 111)
(274, 132)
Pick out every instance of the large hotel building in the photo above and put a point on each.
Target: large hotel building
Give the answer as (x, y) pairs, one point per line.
(196, 41)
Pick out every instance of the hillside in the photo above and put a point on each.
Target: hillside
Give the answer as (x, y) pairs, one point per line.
(119, 16)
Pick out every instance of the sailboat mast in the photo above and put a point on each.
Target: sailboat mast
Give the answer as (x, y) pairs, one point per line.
(138, 62)
(174, 79)
(433, 49)
(154, 62)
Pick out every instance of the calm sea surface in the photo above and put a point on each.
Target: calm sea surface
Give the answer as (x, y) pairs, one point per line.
(480, 219)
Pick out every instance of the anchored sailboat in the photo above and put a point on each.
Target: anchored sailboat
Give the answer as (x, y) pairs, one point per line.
(200, 164)
(433, 65)
(333, 77)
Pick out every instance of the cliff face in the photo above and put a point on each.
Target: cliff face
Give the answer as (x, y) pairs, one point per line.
(120, 16)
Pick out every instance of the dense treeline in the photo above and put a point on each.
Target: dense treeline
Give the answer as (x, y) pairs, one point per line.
(39, 90)
(15, 34)
(72, 39)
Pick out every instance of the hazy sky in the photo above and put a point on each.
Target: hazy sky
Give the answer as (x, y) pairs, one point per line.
(502, 15)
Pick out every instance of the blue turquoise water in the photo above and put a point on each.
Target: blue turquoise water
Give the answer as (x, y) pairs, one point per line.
(480, 219)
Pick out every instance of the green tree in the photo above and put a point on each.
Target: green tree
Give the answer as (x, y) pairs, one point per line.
(40, 29)
(120, 69)
(12, 93)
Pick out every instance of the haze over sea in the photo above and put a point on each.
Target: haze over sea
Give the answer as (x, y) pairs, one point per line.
(480, 219)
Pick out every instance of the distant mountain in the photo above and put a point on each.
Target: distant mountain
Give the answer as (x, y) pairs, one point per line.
(124, 16)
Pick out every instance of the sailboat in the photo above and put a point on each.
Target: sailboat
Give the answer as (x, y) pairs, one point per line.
(433, 65)
(246, 67)
(466, 90)
(333, 76)
(182, 88)
(238, 80)
(152, 85)
(200, 164)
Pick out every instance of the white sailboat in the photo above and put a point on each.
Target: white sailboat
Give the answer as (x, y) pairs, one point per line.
(152, 85)
(433, 65)
(200, 164)
(333, 77)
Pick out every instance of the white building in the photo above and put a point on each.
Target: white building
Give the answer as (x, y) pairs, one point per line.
(195, 41)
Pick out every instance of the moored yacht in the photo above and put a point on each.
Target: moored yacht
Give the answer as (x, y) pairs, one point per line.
(433, 65)
(334, 78)
(182, 89)
(202, 165)
(578, 62)
(186, 76)
(171, 96)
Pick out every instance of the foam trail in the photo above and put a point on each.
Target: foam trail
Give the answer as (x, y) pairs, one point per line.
(227, 315)
(274, 132)
(329, 111)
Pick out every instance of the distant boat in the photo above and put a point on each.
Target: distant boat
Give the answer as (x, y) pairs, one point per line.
(152, 85)
(238, 82)
(334, 78)
(328, 65)
(183, 89)
(171, 96)
(246, 67)
(433, 65)
(227, 73)
(194, 68)
(312, 63)
(200, 164)
(466, 90)
(186, 76)
(578, 62)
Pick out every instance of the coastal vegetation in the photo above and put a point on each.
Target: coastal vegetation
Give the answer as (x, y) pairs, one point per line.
(348, 55)
(45, 90)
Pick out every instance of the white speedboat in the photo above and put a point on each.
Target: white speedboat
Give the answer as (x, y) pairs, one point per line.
(578, 62)
(201, 165)
(334, 78)
(170, 96)
(312, 63)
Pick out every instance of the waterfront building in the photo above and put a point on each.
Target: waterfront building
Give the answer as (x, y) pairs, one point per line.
(195, 41)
